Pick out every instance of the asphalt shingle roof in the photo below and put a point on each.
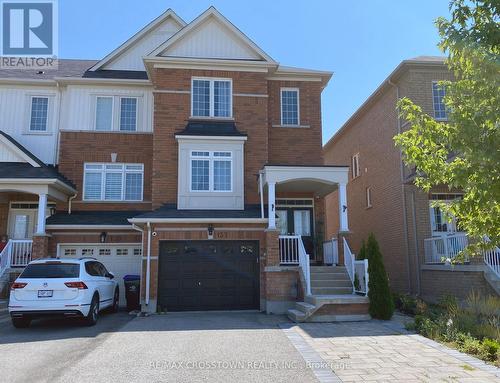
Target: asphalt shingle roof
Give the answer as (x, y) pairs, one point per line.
(93, 217)
(171, 211)
(210, 128)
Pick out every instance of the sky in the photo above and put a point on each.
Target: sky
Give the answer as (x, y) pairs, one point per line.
(361, 41)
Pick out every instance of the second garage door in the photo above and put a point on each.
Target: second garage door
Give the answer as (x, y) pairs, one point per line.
(208, 275)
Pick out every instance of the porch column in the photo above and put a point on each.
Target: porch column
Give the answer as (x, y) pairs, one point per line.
(271, 200)
(344, 225)
(42, 206)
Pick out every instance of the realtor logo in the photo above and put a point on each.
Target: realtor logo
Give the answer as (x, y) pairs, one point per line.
(28, 33)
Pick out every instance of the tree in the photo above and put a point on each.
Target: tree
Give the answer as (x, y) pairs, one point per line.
(381, 302)
(362, 251)
(464, 152)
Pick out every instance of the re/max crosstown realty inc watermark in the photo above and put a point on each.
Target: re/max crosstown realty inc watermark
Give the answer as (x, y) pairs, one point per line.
(28, 34)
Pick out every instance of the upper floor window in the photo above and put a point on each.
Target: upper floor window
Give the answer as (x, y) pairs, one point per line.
(290, 106)
(355, 166)
(211, 171)
(128, 114)
(211, 97)
(104, 113)
(113, 182)
(438, 93)
(39, 114)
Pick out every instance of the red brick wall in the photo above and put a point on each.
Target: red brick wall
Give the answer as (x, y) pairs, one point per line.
(76, 148)
(296, 146)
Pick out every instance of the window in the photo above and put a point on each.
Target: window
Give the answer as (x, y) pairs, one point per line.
(211, 97)
(104, 252)
(39, 114)
(51, 269)
(128, 114)
(368, 197)
(302, 222)
(113, 182)
(104, 113)
(355, 166)
(121, 251)
(69, 252)
(438, 93)
(289, 106)
(211, 171)
(137, 251)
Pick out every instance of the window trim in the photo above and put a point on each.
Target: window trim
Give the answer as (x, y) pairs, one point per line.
(288, 89)
(355, 170)
(211, 97)
(112, 112)
(368, 197)
(211, 175)
(31, 97)
(119, 127)
(436, 82)
(103, 181)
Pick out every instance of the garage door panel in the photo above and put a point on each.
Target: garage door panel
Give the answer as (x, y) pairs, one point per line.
(210, 275)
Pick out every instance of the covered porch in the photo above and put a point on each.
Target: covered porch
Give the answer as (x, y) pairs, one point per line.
(295, 203)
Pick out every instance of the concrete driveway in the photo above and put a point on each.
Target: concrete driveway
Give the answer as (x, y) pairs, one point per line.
(208, 347)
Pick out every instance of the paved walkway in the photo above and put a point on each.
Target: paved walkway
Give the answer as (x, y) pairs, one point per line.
(380, 351)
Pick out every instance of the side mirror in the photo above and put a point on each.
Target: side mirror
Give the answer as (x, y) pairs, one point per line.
(110, 275)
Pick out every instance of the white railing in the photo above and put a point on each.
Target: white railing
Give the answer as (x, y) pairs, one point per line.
(20, 252)
(439, 249)
(5, 258)
(361, 276)
(331, 252)
(357, 270)
(289, 249)
(492, 258)
(293, 252)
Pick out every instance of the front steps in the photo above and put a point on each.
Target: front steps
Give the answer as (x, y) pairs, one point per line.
(331, 299)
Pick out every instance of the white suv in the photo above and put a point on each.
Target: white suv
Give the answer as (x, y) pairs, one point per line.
(62, 287)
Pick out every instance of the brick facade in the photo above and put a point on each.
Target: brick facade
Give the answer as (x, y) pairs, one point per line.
(399, 216)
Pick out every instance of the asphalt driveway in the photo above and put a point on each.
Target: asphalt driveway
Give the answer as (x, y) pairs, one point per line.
(208, 347)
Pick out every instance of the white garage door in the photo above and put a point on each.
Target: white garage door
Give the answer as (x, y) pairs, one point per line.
(119, 259)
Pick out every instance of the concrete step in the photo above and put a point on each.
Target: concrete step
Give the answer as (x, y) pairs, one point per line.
(331, 290)
(329, 276)
(327, 269)
(331, 283)
(296, 315)
(336, 299)
(304, 307)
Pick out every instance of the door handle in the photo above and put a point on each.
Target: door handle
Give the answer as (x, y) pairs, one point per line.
(199, 283)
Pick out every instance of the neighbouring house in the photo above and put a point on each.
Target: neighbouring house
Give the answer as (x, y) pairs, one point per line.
(187, 155)
(414, 236)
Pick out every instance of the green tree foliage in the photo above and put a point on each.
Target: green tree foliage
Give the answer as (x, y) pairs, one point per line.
(381, 302)
(362, 251)
(464, 152)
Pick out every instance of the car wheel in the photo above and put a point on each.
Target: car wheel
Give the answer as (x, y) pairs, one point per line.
(116, 301)
(93, 314)
(21, 322)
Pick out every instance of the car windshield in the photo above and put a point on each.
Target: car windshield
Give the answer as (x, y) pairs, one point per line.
(51, 270)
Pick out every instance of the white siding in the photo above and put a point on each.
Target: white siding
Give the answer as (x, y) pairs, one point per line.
(211, 39)
(15, 105)
(131, 59)
(210, 200)
(7, 155)
(79, 106)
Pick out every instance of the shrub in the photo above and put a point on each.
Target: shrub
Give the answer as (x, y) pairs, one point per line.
(381, 303)
(491, 348)
(362, 252)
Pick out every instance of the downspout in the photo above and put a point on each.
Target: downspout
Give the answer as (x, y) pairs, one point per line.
(148, 264)
(401, 174)
(70, 199)
(58, 123)
(261, 191)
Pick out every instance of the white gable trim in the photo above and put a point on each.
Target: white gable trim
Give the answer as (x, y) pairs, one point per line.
(127, 44)
(211, 12)
(23, 157)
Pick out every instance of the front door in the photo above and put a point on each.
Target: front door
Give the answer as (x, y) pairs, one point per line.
(22, 223)
(297, 221)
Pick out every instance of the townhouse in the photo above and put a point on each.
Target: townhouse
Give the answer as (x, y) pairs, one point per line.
(187, 155)
(414, 236)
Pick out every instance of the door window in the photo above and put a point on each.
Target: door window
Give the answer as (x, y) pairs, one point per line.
(302, 222)
(282, 221)
(21, 225)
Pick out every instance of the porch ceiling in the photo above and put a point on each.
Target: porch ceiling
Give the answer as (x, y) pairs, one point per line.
(320, 180)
